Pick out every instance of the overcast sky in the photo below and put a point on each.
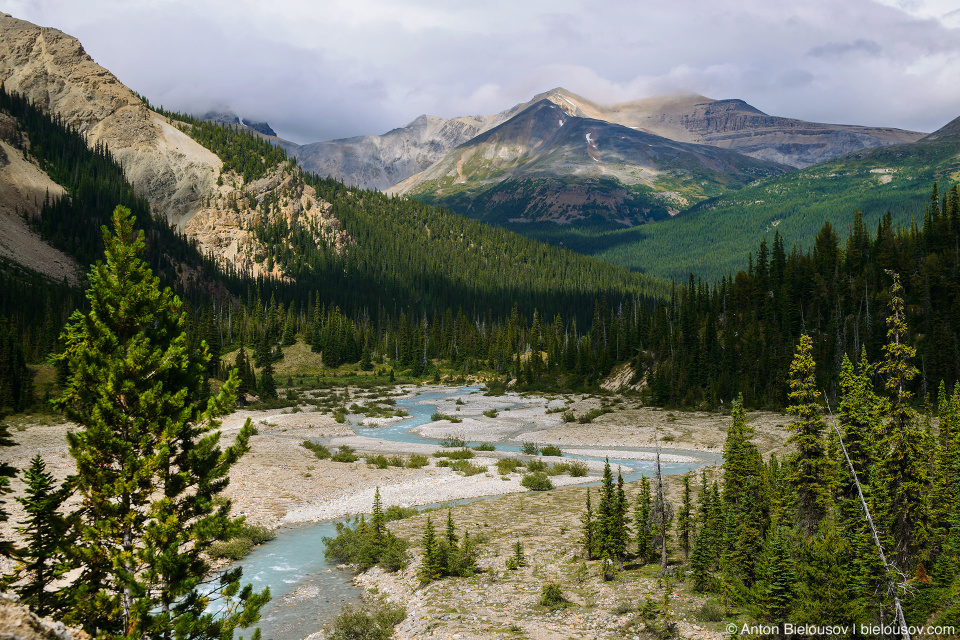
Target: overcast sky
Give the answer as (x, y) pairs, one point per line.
(324, 69)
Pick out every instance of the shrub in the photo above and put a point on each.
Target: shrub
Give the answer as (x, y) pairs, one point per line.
(396, 512)
(356, 545)
(623, 606)
(507, 465)
(557, 469)
(530, 448)
(344, 454)
(467, 468)
(319, 450)
(437, 417)
(551, 596)
(379, 461)
(367, 622)
(417, 461)
(537, 481)
(484, 446)
(710, 611)
(551, 450)
(577, 468)
(240, 545)
(453, 442)
(490, 413)
(589, 416)
(456, 454)
(536, 465)
(395, 461)
(568, 416)
(517, 560)
(495, 388)
(340, 415)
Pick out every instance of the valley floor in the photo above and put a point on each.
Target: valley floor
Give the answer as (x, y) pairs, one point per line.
(280, 482)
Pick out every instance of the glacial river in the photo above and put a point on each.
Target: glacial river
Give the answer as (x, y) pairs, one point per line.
(308, 591)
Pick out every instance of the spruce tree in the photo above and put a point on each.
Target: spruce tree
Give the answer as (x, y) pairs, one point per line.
(267, 388)
(148, 459)
(642, 510)
(378, 522)
(684, 519)
(810, 465)
(7, 471)
(44, 533)
(906, 461)
(589, 529)
(430, 568)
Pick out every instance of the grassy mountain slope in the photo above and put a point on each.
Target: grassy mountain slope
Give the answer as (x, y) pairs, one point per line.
(714, 237)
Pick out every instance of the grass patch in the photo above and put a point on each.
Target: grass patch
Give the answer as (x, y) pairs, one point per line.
(536, 465)
(381, 461)
(484, 446)
(467, 468)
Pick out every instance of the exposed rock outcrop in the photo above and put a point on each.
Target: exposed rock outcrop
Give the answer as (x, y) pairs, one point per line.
(52, 69)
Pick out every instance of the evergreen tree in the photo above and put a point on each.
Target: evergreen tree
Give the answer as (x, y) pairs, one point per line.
(906, 463)
(642, 510)
(148, 459)
(378, 522)
(430, 568)
(7, 471)
(589, 529)
(810, 465)
(267, 388)
(780, 579)
(685, 519)
(44, 535)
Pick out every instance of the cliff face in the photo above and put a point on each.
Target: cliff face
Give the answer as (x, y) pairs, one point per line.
(51, 68)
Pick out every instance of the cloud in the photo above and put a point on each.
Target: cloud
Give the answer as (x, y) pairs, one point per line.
(324, 69)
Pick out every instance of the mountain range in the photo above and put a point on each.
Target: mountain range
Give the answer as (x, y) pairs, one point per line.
(558, 167)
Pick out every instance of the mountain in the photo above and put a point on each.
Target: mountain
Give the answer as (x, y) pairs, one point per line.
(545, 165)
(230, 118)
(52, 69)
(381, 161)
(895, 179)
(738, 126)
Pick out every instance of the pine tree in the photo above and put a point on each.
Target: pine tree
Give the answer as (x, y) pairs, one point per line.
(430, 568)
(589, 529)
(642, 510)
(780, 578)
(906, 463)
(148, 459)
(7, 471)
(684, 519)
(267, 389)
(810, 475)
(44, 535)
(378, 522)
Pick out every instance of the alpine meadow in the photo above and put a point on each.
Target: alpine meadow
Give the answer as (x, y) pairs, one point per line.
(641, 365)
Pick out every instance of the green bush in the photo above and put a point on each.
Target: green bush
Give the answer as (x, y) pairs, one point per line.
(379, 461)
(551, 596)
(537, 481)
(495, 388)
(551, 450)
(237, 547)
(457, 454)
(467, 468)
(318, 450)
(530, 448)
(417, 461)
(437, 417)
(591, 415)
(536, 465)
(577, 468)
(490, 413)
(452, 442)
(340, 415)
(367, 622)
(507, 465)
(395, 461)
(396, 512)
(710, 611)
(569, 416)
(344, 454)
(356, 545)
(484, 446)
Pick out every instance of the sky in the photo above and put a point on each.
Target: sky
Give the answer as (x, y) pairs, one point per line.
(325, 69)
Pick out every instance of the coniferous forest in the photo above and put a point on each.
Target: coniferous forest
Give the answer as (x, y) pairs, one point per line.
(856, 338)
